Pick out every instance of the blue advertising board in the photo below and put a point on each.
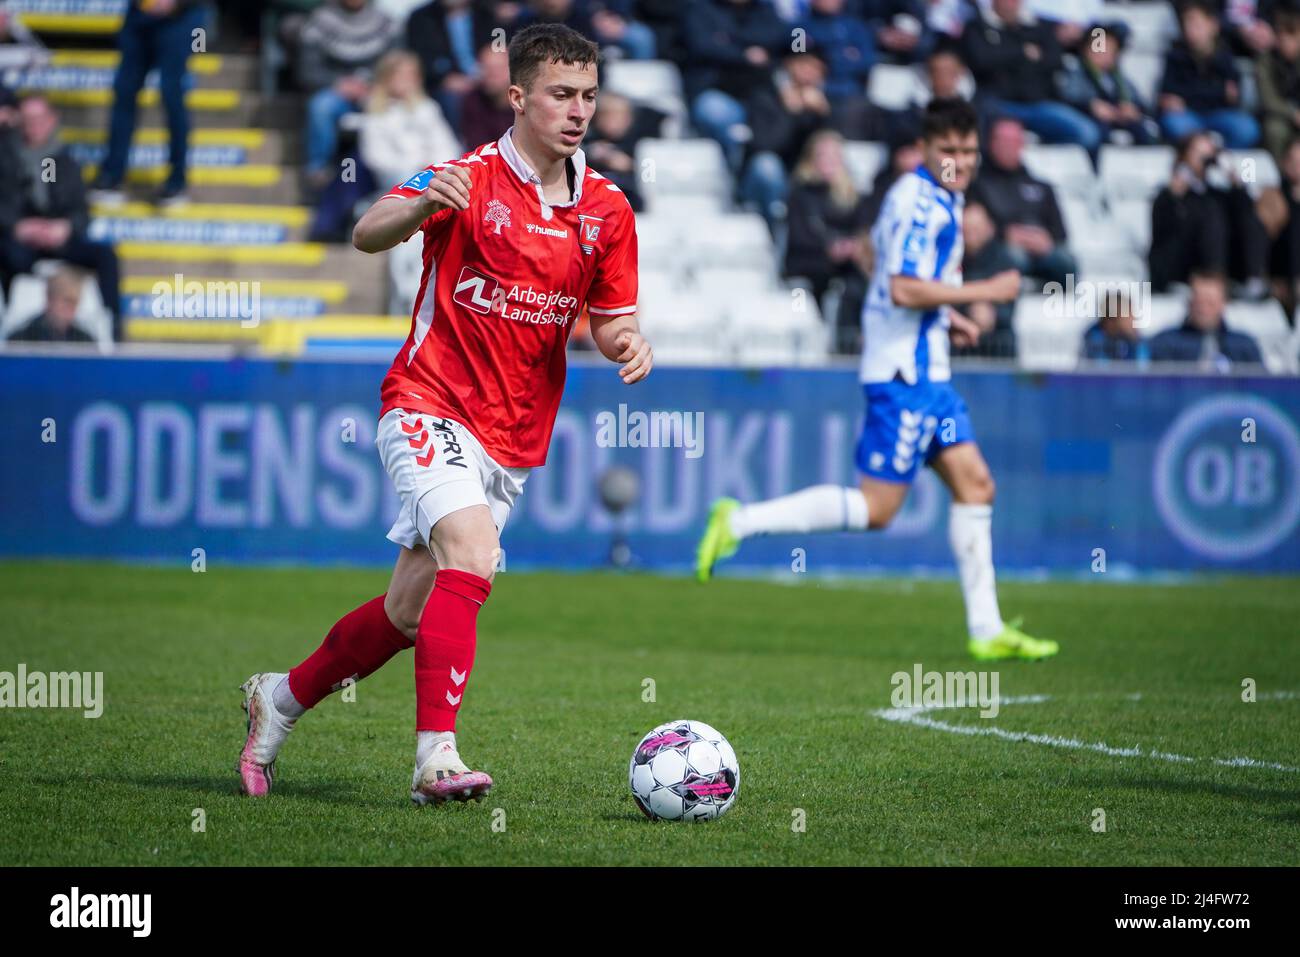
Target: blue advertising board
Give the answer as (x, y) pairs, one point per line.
(274, 461)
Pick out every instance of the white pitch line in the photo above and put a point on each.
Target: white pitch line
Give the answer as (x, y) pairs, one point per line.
(917, 718)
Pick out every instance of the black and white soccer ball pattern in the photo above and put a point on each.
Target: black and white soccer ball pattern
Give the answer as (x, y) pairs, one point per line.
(684, 771)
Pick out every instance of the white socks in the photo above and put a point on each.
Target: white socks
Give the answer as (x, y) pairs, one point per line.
(821, 508)
(284, 701)
(970, 532)
(426, 741)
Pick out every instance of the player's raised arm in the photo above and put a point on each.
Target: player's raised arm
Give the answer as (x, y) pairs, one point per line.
(392, 219)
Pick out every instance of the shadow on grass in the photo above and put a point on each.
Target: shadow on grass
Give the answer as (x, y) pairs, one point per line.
(329, 792)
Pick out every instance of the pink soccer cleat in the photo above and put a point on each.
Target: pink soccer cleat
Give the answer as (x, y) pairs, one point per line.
(444, 777)
(267, 729)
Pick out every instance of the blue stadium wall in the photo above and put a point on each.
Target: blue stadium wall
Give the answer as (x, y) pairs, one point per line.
(262, 461)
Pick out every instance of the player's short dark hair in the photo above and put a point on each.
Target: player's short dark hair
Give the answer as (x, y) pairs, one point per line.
(547, 43)
(1210, 273)
(946, 115)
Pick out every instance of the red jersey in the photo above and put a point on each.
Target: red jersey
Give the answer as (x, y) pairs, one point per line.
(504, 282)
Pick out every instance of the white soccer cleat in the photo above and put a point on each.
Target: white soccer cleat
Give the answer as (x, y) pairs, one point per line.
(445, 777)
(267, 729)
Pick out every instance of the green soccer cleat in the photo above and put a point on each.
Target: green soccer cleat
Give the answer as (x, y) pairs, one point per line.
(718, 542)
(1012, 643)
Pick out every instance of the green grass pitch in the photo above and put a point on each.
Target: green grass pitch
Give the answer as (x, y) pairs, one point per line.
(1141, 715)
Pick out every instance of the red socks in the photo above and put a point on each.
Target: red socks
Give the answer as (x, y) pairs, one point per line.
(358, 645)
(444, 649)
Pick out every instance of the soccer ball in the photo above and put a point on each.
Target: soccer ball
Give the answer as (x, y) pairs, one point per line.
(684, 771)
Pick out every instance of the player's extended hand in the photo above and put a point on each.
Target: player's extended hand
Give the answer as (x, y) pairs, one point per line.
(1004, 286)
(636, 355)
(448, 189)
(964, 332)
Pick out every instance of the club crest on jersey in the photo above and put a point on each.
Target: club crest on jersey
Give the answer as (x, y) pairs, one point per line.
(588, 231)
(498, 215)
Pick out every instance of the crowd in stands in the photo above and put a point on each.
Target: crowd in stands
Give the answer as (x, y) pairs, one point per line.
(782, 85)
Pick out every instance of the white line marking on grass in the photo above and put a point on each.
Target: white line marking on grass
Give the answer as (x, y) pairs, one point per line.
(916, 717)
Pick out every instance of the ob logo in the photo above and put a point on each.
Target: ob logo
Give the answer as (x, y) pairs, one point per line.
(1221, 497)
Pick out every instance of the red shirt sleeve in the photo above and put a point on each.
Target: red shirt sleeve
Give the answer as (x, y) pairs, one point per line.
(416, 185)
(614, 288)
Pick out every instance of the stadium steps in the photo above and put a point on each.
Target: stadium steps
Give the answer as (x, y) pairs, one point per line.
(245, 224)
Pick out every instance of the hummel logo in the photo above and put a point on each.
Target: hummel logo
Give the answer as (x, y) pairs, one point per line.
(453, 699)
(457, 677)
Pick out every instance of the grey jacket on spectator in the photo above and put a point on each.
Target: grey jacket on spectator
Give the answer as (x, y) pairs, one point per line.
(336, 42)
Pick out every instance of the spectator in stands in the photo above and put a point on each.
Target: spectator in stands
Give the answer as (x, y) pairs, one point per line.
(47, 217)
(902, 29)
(1205, 220)
(158, 35)
(905, 155)
(1284, 256)
(731, 48)
(1203, 336)
(446, 35)
(607, 22)
(945, 76)
(58, 322)
(1247, 25)
(1014, 58)
(1201, 86)
(782, 115)
(847, 45)
(19, 47)
(1024, 208)
(485, 112)
(1097, 86)
(338, 48)
(1114, 336)
(985, 256)
(404, 130)
(664, 18)
(829, 233)
(611, 142)
(1279, 85)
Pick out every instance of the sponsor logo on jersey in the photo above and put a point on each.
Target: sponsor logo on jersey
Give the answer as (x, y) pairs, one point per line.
(485, 295)
(546, 231)
(419, 181)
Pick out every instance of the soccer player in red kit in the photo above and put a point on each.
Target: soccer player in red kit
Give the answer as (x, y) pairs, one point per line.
(519, 236)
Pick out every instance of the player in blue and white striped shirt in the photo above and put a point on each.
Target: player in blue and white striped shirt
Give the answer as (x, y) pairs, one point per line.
(914, 415)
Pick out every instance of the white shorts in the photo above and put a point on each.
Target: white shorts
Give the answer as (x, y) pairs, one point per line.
(438, 468)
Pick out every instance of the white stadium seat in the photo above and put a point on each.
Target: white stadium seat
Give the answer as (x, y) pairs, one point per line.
(1044, 340)
(652, 82)
(1065, 166)
(1133, 219)
(1255, 167)
(659, 241)
(865, 159)
(736, 239)
(1143, 70)
(682, 166)
(767, 328)
(1266, 323)
(1168, 310)
(1135, 172)
(686, 207)
(894, 87)
(740, 277)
